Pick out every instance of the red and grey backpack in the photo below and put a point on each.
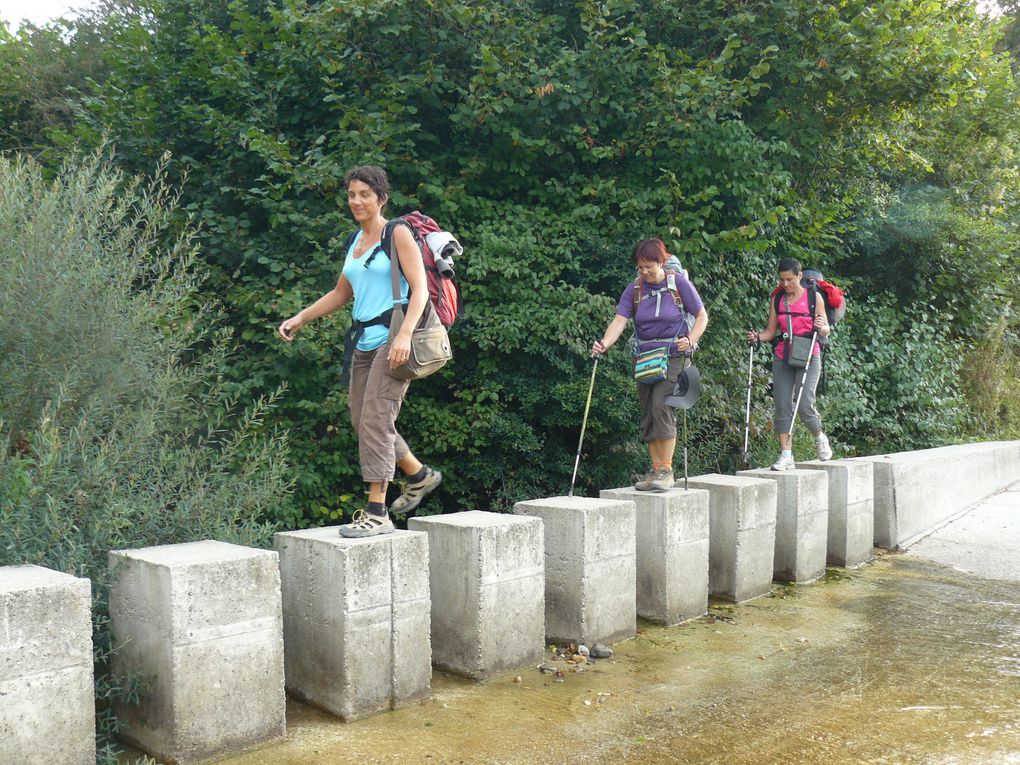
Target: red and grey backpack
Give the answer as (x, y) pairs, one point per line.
(438, 248)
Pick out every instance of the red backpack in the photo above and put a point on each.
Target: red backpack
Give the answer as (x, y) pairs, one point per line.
(443, 290)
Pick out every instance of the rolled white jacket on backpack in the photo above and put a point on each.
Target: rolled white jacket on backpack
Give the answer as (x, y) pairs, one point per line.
(445, 248)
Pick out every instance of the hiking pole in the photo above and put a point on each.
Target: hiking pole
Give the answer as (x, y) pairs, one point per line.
(685, 450)
(584, 423)
(803, 384)
(747, 414)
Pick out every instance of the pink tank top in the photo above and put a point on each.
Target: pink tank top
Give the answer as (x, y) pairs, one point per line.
(803, 322)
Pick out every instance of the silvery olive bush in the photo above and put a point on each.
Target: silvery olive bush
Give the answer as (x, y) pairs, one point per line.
(118, 429)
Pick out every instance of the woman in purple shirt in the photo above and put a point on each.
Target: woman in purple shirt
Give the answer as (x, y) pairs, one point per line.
(663, 304)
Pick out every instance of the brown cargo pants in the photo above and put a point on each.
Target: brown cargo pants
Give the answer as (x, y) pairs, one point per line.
(374, 400)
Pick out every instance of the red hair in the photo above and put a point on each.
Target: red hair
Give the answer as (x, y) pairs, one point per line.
(652, 250)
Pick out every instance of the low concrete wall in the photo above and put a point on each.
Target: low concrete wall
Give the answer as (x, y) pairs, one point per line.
(487, 581)
(916, 491)
(802, 520)
(742, 528)
(672, 552)
(590, 568)
(851, 509)
(47, 708)
(356, 619)
(203, 622)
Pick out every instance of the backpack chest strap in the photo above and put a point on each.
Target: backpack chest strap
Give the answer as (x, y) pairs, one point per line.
(670, 288)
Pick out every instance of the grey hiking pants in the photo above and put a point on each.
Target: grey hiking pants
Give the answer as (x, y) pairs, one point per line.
(785, 384)
(374, 400)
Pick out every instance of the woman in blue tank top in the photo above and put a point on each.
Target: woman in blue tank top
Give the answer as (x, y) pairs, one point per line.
(375, 396)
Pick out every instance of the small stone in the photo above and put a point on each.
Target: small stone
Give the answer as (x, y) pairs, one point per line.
(548, 669)
(600, 651)
(587, 702)
(579, 658)
(518, 679)
(583, 650)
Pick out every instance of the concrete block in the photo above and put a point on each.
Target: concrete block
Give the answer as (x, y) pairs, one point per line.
(590, 568)
(802, 520)
(47, 706)
(851, 509)
(917, 491)
(671, 552)
(742, 534)
(487, 582)
(356, 619)
(202, 621)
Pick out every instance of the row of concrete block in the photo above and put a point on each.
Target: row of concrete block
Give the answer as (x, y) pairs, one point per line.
(354, 626)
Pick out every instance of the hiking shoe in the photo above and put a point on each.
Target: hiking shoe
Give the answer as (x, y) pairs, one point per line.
(644, 482)
(414, 493)
(783, 463)
(822, 447)
(365, 524)
(662, 479)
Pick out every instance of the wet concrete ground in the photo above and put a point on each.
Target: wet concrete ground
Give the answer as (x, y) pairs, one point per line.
(904, 660)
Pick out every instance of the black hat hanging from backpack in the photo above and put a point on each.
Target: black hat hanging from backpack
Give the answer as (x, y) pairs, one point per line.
(687, 390)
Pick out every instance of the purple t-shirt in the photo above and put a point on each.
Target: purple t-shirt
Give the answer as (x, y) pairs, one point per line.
(670, 322)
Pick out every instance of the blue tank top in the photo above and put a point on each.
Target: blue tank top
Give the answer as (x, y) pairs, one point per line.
(373, 292)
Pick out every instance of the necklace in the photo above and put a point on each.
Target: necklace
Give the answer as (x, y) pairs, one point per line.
(366, 242)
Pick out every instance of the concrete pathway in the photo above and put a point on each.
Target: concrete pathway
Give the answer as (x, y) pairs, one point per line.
(984, 541)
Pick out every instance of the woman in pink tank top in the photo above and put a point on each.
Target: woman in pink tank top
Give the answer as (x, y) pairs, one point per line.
(793, 318)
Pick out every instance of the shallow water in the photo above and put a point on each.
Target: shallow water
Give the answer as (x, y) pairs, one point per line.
(900, 661)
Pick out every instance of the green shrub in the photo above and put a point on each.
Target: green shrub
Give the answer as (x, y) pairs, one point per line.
(991, 379)
(118, 428)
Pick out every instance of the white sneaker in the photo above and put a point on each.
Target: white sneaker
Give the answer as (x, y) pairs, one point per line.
(822, 447)
(783, 463)
(365, 524)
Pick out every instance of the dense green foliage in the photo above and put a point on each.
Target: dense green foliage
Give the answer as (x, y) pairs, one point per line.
(872, 138)
(119, 429)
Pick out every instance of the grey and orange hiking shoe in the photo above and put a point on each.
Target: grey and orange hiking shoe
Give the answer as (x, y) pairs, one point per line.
(415, 492)
(662, 479)
(365, 524)
(644, 482)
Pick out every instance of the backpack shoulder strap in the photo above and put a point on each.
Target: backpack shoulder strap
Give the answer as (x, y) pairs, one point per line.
(637, 295)
(674, 290)
(386, 239)
(350, 240)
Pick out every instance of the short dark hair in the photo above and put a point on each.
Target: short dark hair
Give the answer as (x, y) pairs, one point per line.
(372, 175)
(651, 250)
(789, 264)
